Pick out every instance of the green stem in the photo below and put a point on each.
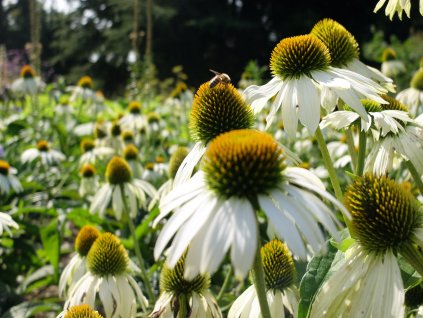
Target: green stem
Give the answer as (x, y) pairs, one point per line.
(351, 147)
(362, 142)
(329, 165)
(131, 225)
(183, 306)
(225, 284)
(260, 284)
(415, 175)
(413, 256)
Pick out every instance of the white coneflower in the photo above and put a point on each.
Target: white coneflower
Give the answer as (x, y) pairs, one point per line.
(133, 121)
(83, 90)
(108, 281)
(114, 139)
(303, 80)
(344, 51)
(6, 222)
(386, 220)
(214, 111)
(412, 97)
(27, 83)
(184, 298)
(407, 144)
(216, 209)
(384, 119)
(8, 181)
(391, 66)
(89, 180)
(91, 153)
(128, 137)
(44, 153)
(77, 267)
(398, 7)
(175, 161)
(80, 311)
(131, 155)
(280, 275)
(121, 188)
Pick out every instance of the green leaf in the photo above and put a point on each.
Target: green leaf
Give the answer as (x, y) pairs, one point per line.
(145, 226)
(50, 238)
(31, 308)
(316, 273)
(410, 276)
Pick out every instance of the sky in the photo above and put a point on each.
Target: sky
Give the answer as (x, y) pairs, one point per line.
(58, 5)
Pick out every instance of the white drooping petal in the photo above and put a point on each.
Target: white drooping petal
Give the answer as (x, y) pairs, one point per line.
(258, 96)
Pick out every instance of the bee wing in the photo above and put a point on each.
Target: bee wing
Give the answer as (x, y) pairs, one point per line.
(214, 72)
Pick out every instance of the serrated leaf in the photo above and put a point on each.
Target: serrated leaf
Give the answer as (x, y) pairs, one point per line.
(316, 273)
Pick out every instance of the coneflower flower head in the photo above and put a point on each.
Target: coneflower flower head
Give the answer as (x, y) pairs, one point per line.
(389, 54)
(280, 275)
(153, 118)
(27, 72)
(173, 281)
(4, 167)
(217, 110)
(134, 107)
(107, 256)
(43, 145)
(343, 47)
(243, 163)
(87, 145)
(81, 311)
(85, 239)
(128, 136)
(417, 80)
(118, 171)
(85, 82)
(296, 56)
(130, 152)
(175, 161)
(278, 265)
(384, 214)
(115, 130)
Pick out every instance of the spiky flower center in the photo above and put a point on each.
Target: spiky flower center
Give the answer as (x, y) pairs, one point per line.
(85, 82)
(87, 145)
(160, 159)
(130, 152)
(128, 136)
(82, 311)
(342, 45)
(218, 110)
(243, 163)
(175, 161)
(299, 56)
(389, 54)
(153, 118)
(384, 214)
(4, 167)
(43, 145)
(278, 265)
(393, 104)
(115, 131)
(99, 131)
(118, 171)
(134, 107)
(85, 239)
(107, 256)
(172, 280)
(27, 72)
(88, 171)
(417, 80)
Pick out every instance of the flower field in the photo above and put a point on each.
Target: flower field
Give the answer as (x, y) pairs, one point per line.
(298, 194)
